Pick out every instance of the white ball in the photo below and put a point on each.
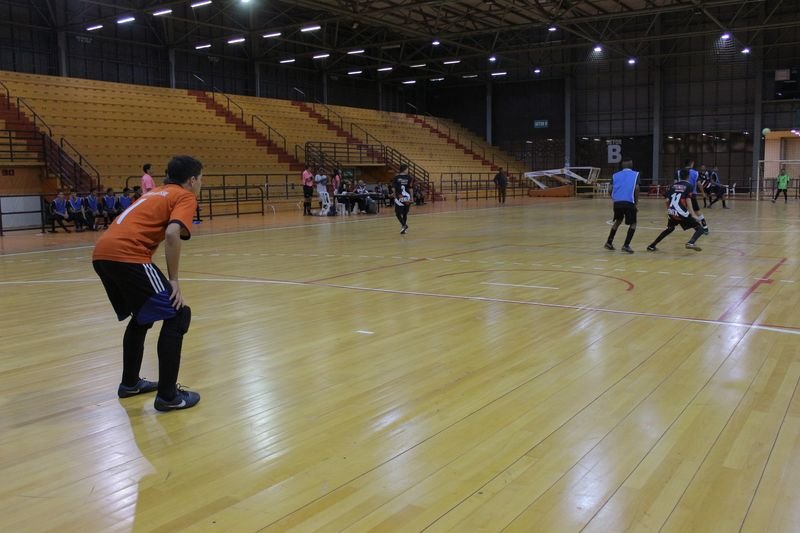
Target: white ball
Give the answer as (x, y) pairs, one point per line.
(765, 131)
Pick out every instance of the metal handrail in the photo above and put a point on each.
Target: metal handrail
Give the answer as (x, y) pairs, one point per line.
(35, 115)
(215, 91)
(8, 146)
(82, 160)
(330, 112)
(8, 94)
(270, 130)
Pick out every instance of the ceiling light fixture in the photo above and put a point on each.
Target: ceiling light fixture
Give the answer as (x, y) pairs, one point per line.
(468, 76)
(321, 56)
(418, 65)
(745, 50)
(436, 43)
(284, 61)
(552, 28)
(162, 12)
(269, 35)
(632, 61)
(354, 72)
(410, 82)
(598, 49)
(384, 69)
(200, 4)
(537, 71)
(492, 59)
(452, 62)
(310, 28)
(236, 40)
(126, 20)
(437, 79)
(94, 28)
(725, 36)
(201, 46)
(499, 73)
(351, 52)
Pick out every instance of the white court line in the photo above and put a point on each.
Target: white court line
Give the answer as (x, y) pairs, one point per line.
(588, 308)
(515, 285)
(365, 332)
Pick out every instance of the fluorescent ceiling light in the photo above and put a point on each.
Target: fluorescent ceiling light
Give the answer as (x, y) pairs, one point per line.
(94, 28)
(354, 72)
(552, 28)
(126, 20)
(436, 43)
(201, 4)
(236, 41)
(419, 65)
(452, 62)
(384, 69)
(201, 46)
(410, 82)
(537, 71)
(351, 52)
(310, 28)
(528, 142)
(745, 50)
(437, 79)
(725, 36)
(467, 76)
(321, 56)
(283, 61)
(268, 35)
(598, 48)
(162, 12)
(632, 61)
(493, 59)
(499, 73)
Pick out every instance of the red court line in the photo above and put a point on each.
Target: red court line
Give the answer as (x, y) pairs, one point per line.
(764, 280)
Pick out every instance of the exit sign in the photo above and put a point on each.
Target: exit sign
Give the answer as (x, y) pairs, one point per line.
(540, 124)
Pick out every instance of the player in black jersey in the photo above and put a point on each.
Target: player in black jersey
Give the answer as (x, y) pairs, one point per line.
(704, 179)
(403, 188)
(681, 213)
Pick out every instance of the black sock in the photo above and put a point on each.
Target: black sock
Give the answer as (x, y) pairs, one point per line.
(170, 342)
(629, 236)
(133, 351)
(611, 235)
(697, 234)
(663, 235)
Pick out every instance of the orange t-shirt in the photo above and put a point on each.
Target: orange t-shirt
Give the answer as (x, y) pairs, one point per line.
(136, 233)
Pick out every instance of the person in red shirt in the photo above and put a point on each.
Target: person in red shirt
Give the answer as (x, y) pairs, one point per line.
(136, 287)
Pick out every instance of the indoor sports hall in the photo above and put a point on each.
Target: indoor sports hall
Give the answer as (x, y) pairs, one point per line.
(489, 367)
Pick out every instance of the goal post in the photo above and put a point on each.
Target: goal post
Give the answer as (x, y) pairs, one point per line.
(768, 171)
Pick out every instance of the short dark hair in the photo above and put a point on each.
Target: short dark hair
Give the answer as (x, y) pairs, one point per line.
(688, 163)
(627, 163)
(146, 167)
(403, 168)
(181, 168)
(684, 174)
(109, 190)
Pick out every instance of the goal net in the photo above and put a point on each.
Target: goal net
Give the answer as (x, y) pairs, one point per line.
(768, 171)
(544, 179)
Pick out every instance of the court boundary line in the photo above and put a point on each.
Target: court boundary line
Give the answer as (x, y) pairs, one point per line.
(792, 330)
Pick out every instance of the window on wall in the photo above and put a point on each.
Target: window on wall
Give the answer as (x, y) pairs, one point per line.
(731, 152)
(613, 100)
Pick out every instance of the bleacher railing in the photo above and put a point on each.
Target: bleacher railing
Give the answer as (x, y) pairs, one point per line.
(72, 172)
(245, 199)
(275, 186)
(16, 146)
(477, 186)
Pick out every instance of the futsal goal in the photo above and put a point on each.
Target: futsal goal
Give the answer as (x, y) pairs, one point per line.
(768, 172)
(557, 177)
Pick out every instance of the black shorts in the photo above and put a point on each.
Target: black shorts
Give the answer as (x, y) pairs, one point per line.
(308, 192)
(625, 211)
(136, 289)
(695, 205)
(684, 223)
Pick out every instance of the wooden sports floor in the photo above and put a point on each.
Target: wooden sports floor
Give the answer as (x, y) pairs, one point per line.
(494, 370)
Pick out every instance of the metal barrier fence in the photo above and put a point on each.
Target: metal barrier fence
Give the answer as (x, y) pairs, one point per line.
(19, 212)
(477, 186)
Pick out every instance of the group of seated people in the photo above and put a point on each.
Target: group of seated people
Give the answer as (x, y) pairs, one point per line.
(362, 196)
(88, 211)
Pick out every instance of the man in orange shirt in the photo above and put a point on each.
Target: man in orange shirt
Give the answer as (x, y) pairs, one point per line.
(123, 258)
